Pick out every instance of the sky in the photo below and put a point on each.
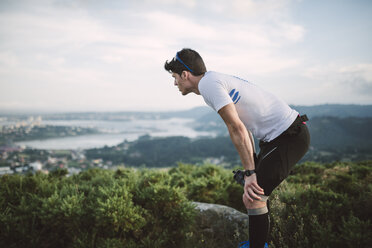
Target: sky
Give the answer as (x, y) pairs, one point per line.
(93, 55)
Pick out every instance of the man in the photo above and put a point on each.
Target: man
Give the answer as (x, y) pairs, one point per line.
(247, 109)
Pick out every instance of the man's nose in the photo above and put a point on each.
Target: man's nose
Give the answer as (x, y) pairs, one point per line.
(175, 83)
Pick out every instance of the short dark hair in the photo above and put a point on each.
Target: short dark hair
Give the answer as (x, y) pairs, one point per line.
(186, 60)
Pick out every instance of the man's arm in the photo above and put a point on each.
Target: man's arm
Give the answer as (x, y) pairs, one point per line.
(239, 135)
(244, 145)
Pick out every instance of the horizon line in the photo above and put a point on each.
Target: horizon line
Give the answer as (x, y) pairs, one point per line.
(40, 111)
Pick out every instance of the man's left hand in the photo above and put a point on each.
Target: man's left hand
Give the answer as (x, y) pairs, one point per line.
(252, 189)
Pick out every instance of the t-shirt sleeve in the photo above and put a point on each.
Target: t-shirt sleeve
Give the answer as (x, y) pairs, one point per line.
(214, 94)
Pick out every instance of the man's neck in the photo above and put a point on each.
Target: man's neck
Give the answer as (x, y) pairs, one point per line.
(195, 80)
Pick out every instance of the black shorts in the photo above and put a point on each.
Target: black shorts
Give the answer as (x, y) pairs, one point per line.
(277, 157)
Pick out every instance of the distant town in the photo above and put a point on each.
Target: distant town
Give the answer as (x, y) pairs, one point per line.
(19, 159)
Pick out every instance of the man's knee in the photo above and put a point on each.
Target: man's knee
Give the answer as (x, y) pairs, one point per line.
(257, 207)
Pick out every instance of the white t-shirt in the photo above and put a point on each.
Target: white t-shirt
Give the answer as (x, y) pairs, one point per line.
(263, 114)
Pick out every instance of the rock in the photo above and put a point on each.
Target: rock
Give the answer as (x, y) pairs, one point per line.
(220, 226)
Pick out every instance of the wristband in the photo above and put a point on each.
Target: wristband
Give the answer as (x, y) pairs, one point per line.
(249, 172)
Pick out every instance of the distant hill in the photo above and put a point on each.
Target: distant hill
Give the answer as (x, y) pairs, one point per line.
(213, 120)
(337, 131)
(336, 110)
(340, 133)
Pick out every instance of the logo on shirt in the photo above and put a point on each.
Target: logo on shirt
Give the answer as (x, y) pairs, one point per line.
(234, 96)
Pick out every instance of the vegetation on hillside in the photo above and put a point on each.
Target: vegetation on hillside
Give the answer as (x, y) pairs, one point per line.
(157, 152)
(319, 205)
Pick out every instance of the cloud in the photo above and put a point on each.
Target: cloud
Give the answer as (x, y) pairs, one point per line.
(245, 46)
(94, 53)
(343, 83)
(8, 58)
(358, 78)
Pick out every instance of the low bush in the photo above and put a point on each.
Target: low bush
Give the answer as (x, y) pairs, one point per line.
(323, 206)
(319, 205)
(97, 208)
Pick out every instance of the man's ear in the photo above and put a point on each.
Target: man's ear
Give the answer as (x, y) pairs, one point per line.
(184, 75)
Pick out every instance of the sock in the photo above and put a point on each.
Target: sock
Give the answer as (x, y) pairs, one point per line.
(258, 230)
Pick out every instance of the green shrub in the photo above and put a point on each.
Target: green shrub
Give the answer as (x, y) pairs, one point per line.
(314, 207)
(96, 208)
(319, 205)
(331, 210)
(208, 183)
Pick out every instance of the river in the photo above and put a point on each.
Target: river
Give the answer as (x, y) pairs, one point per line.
(115, 132)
